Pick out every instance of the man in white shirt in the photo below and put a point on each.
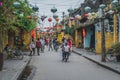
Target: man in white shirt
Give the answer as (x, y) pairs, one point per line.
(66, 52)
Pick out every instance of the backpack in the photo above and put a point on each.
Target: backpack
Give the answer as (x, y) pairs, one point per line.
(38, 44)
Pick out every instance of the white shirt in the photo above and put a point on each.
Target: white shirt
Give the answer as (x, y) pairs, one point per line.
(66, 48)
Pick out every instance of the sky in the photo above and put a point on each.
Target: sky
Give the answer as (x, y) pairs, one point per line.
(61, 5)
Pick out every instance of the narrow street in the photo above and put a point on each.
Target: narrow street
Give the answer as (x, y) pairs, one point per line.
(50, 67)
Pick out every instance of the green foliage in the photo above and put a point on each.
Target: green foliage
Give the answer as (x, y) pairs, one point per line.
(9, 20)
(70, 30)
(116, 48)
(118, 8)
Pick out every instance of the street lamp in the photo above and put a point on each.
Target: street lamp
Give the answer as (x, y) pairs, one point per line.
(103, 57)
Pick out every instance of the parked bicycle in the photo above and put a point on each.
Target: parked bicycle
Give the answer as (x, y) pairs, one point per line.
(15, 54)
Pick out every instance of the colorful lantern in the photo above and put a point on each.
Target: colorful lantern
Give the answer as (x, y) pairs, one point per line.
(87, 9)
(71, 18)
(86, 15)
(35, 17)
(53, 10)
(35, 8)
(33, 34)
(84, 32)
(78, 17)
(43, 18)
(49, 19)
(29, 17)
(57, 19)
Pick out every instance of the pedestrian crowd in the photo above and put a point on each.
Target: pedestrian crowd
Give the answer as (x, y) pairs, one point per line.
(41, 43)
(52, 44)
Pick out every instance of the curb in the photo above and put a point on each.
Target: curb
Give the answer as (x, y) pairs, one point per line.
(20, 74)
(105, 66)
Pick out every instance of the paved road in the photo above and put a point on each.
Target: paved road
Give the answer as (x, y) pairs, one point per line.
(50, 67)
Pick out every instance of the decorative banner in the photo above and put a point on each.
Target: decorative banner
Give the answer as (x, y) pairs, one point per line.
(84, 32)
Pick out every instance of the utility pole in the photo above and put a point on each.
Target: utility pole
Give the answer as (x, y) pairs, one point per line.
(102, 17)
(103, 40)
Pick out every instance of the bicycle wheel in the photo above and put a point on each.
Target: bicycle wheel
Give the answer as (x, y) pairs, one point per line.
(20, 55)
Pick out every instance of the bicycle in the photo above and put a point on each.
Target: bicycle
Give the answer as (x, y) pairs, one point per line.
(15, 54)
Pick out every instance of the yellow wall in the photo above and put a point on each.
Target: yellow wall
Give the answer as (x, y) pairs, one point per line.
(108, 41)
(76, 38)
(98, 42)
(26, 39)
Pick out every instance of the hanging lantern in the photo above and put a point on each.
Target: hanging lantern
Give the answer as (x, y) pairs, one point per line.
(86, 15)
(70, 10)
(53, 10)
(57, 19)
(35, 18)
(1, 3)
(87, 9)
(115, 2)
(71, 18)
(35, 8)
(78, 17)
(33, 34)
(29, 17)
(16, 4)
(43, 17)
(84, 32)
(55, 16)
(49, 19)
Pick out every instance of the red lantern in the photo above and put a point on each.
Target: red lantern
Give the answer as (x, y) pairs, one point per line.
(33, 34)
(86, 15)
(49, 19)
(84, 32)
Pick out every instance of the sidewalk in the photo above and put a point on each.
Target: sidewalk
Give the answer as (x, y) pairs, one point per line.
(12, 69)
(114, 66)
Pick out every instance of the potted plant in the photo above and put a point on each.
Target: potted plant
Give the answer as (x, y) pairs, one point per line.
(116, 51)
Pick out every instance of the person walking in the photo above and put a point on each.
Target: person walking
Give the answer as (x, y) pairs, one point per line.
(50, 45)
(66, 52)
(69, 42)
(42, 44)
(38, 46)
(32, 48)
